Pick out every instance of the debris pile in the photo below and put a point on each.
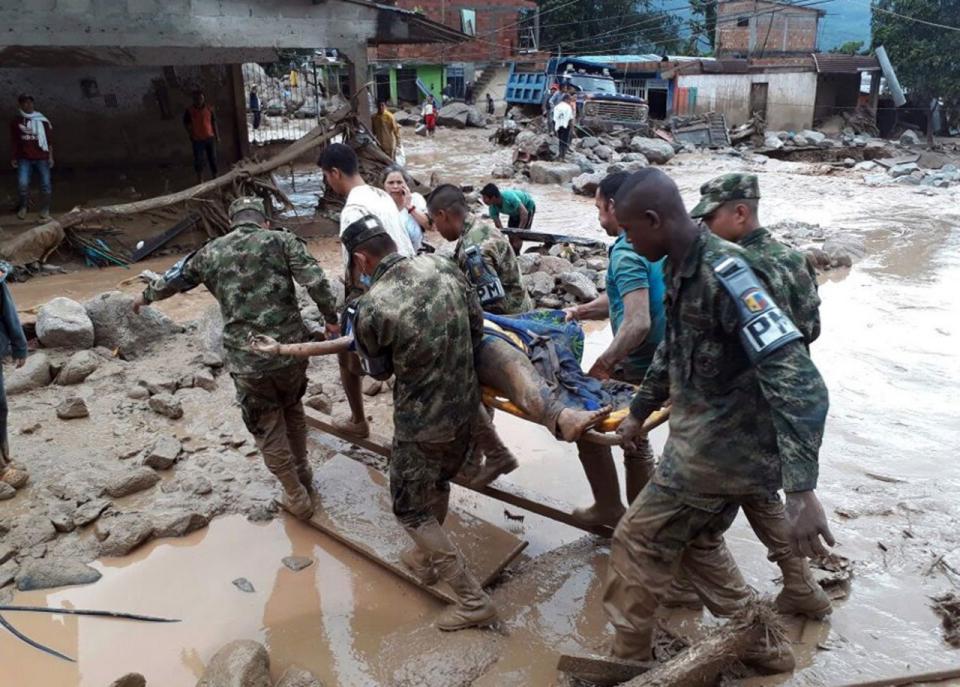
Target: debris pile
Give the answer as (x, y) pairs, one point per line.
(922, 170)
(564, 275)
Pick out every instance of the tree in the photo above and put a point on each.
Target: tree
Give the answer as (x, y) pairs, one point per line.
(849, 48)
(924, 56)
(703, 22)
(607, 26)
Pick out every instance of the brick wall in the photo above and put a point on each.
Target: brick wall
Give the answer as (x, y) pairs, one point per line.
(497, 35)
(747, 28)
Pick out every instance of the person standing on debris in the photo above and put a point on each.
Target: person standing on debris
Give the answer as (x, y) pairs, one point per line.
(429, 112)
(386, 130)
(200, 121)
(748, 408)
(341, 174)
(251, 272)
(420, 322)
(488, 262)
(468, 94)
(634, 303)
(553, 99)
(255, 107)
(491, 108)
(563, 123)
(729, 207)
(31, 150)
(12, 343)
(412, 206)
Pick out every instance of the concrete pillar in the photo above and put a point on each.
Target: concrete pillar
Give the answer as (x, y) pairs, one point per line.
(359, 76)
(874, 91)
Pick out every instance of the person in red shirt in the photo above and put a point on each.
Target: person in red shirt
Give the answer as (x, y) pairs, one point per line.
(31, 149)
(200, 122)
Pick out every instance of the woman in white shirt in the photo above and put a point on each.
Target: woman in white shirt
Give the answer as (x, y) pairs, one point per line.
(412, 206)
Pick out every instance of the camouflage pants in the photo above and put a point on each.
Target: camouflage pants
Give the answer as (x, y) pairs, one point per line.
(420, 475)
(663, 530)
(272, 411)
(768, 521)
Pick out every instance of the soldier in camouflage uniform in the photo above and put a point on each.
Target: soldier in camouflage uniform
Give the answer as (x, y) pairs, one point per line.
(490, 265)
(250, 272)
(420, 322)
(747, 416)
(729, 207)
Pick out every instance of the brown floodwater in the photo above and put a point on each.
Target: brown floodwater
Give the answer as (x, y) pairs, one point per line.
(890, 356)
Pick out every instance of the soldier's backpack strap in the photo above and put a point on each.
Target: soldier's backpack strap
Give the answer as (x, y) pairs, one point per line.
(174, 278)
(763, 326)
(485, 280)
(378, 367)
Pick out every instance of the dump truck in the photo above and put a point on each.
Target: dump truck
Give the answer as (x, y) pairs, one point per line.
(599, 106)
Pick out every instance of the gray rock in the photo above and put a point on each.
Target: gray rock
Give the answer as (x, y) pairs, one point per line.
(50, 572)
(552, 173)
(586, 184)
(130, 482)
(455, 115)
(116, 326)
(550, 302)
(866, 166)
(157, 384)
(178, 523)
(844, 249)
(909, 180)
(130, 680)
(6, 492)
(603, 152)
(502, 171)
(29, 530)
(297, 563)
(243, 663)
(202, 379)
(34, 374)
(89, 512)
(554, 266)
(537, 146)
(771, 140)
(538, 284)
(320, 402)
(528, 262)
(122, 534)
(166, 405)
(164, 453)
(876, 179)
(298, 677)
(909, 138)
(138, 393)
(78, 367)
(8, 573)
(6, 553)
(655, 150)
(244, 585)
(579, 286)
(61, 514)
(814, 137)
(589, 142)
(211, 360)
(597, 263)
(903, 170)
(202, 486)
(64, 323)
(72, 408)
(800, 141)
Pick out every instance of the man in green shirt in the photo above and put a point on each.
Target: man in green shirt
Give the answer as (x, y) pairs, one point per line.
(517, 205)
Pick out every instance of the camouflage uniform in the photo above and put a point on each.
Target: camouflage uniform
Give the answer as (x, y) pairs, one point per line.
(793, 284)
(499, 256)
(250, 272)
(737, 431)
(421, 313)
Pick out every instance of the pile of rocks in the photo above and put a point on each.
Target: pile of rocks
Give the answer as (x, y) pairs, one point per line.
(564, 275)
(776, 140)
(908, 174)
(246, 663)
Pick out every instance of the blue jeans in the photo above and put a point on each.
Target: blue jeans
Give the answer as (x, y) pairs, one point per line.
(25, 169)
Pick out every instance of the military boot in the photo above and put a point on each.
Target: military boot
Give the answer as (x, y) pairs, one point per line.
(499, 460)
(473, 607)
(295, 497)
(802, 594)
(419, 565)
(602, 474)
(305, 475)
(638, 469)
(770, 658)
(45, 208)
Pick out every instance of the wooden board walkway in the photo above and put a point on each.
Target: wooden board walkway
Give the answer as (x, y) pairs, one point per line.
(510, 494)
(354, 508)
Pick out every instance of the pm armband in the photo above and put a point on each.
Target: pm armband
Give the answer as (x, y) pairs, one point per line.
(763, 326)
(485, 280)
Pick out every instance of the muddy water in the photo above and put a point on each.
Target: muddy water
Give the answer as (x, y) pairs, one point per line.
(890, 356)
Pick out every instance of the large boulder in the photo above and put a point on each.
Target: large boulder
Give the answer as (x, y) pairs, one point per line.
(122, 534)
(655, 150)
(298, 677)
(116, 326)
(586, 184)
(554, 265)
(476, 118)
(814, 137)
(34, 374)
(903, 169)
(531, 146)
(243, 663)
(553, 173)
(772, 141)
(909, 138)
(64, 323)
(455, 115)
(78, 367)
(844, 249)
(49, 573)
(528, 262)
(131, 482)
(579, 285)
(539, 284)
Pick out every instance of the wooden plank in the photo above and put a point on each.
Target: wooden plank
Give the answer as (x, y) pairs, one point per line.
(354, 507)
(600, 670)
(513, 495)
(550, 239)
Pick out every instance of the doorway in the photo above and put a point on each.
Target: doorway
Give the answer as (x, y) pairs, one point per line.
(758, 99)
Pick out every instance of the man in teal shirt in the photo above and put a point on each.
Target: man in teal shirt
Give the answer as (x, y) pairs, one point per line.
(634, 304)
(517, 205)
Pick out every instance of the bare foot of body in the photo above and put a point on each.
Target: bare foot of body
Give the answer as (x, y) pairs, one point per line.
(346, 425)
(573, 423)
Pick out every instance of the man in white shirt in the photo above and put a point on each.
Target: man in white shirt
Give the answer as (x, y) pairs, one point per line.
(341, 174)
(563, 123)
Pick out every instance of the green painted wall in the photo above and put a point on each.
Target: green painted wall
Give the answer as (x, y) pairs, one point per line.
(393, 86)
(433, 76)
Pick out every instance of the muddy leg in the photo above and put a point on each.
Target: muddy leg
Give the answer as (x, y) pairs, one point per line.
(352, 388)
(601, 472)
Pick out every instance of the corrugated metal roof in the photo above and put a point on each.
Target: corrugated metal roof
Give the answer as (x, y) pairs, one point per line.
(649, 57)
(836, 63)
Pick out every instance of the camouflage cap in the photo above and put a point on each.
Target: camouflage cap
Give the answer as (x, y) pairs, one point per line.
(723, 189)
(247, 203)
(361, 231)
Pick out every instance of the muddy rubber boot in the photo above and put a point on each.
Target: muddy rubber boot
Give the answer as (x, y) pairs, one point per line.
(305, 475)
(45, 208)
(801, 594)
(472, 465)
(771, 658)
(681, 594)
(602, 474)
(419, 565)
(499, 459)
(22, 211)
(473, 607)
(295, 497)
(15, 477)
(637, 472)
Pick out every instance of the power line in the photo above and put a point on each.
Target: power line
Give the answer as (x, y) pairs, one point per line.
(908, 18)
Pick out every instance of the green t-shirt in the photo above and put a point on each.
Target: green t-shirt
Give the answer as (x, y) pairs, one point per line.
(510, 201)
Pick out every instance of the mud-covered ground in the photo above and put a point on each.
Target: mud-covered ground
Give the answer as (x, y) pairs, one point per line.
(888, 479)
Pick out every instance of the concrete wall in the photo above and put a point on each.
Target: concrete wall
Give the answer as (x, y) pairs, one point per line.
(128, 116)
(770, 28)
(790, 97)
